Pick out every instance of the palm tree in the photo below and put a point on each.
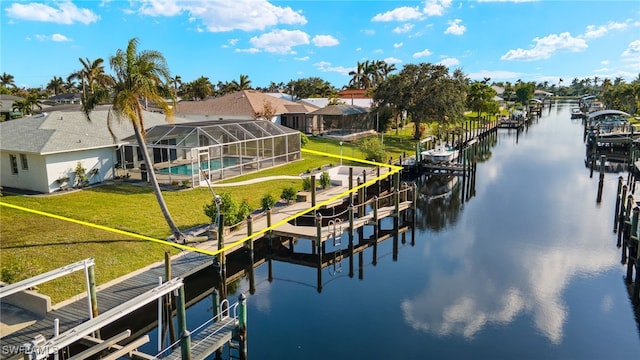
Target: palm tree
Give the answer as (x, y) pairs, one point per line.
(7, 80)
(175, 81)
(22, 106)
(243, 84)
(96, 79)
(137, 79)
(56, 84)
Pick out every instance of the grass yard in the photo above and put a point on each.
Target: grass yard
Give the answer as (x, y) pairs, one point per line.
(31, 244)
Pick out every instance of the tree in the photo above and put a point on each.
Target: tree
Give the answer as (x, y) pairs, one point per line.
(243, 84)
(56, 85)
(175, 81)
(199, 89)
(138, 76)
(7, 80)
(524, 92)
(310, 87)
(92, 76)
(479, 95)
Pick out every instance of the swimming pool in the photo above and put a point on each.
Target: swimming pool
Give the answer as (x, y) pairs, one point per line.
(214, 164)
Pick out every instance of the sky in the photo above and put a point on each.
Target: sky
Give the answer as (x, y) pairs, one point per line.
(279, 41)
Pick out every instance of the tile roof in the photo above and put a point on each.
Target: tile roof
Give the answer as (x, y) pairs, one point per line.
(64, 131)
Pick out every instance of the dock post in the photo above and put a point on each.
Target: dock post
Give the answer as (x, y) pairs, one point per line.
(223, 266)
(633, 236)
(615, 215)
(350, 221)
(242, 325)
(92, 290)
(185, 336)
(350, 185)
(215, 299)
(603, 159)
(313, 194)
(414, 200)
(319, 246)
(168, 305)
(249, 233)
(378, 181)
(635, 298)
(623, 197)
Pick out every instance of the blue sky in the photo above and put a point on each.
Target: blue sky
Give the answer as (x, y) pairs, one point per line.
(280, 41)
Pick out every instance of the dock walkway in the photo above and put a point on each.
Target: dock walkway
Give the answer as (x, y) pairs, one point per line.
(73, 312)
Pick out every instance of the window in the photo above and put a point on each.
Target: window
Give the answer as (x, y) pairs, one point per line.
(14, 163)
(25, 163)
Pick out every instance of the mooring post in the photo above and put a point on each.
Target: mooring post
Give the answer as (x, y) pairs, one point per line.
(221, 244)
(414, 205)
(351, 220)
(185, 336)
(168, 300)
(249, 233)
(623, 197)
(319, 247)
(92, 290)
(242, 325)
(350, 185)
(603, 159)
(215, 300)
(633, 237)
(313, 193)
(378, 181)
(360, 203)
(615, 215)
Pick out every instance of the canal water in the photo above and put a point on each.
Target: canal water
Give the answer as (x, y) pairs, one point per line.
(525, 266)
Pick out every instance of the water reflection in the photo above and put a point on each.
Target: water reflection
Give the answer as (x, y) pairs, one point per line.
(519, 255)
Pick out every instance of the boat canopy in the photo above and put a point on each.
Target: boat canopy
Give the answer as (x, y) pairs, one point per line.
(607, 113)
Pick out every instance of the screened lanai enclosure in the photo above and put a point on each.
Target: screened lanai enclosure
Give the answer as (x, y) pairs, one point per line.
(192, 153)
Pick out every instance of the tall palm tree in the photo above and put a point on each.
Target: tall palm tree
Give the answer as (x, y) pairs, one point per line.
(175, 81)
(137, 79)
(7, 80)
(96, 79)
(56, 85)
(243, 84)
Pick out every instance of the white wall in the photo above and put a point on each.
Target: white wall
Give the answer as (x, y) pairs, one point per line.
(34, 178)
(64, 164)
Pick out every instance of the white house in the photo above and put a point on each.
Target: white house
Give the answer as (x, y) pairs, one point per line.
(40, 153)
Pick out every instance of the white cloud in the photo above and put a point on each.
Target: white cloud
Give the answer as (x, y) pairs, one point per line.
(546, 46)
(59, 38)
(448, 62)
(436, 7)
(422, 53)
(397, 45)
(593, 31)
(455, 27)
(403, 29)
(369, 32)
(392, 60)
(325, 66)
(231, 43)
(221, 15)
(249, 50)
(304, 58)
(633, 50)
(64, 12)
(324, 40)
(604, 62)
(280, 41)
(378, 51)
(404, 13)
(54, 37)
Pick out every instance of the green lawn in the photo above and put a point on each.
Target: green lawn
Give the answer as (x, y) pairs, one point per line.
(31, 244)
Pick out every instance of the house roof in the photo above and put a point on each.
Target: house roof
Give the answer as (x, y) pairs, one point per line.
(6, 102)
(341, 110)
(322, 102)
(65, 131)
(244, 103)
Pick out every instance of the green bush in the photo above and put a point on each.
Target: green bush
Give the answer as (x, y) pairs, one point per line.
(268, 201)
(373, 149)
(232, 211)
(325, 180)
(304, 139)
(289, 194)
(306, 184)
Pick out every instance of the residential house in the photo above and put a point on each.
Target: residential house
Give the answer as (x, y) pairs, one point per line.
(40, 153)
(249, 105)
(6, 105)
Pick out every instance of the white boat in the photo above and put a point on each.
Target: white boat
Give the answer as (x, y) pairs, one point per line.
(441, 153)
(576, 113)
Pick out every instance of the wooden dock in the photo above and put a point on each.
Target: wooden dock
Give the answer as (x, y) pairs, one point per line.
(75, 311)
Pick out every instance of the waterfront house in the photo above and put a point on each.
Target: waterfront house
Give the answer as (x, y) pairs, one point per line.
(41, 153)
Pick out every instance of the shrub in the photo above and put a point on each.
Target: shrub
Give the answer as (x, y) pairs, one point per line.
(373, 149)
(232, 211)
(186, 183)
(288, 194)
(306, 184)
(325, 180)
(304, 139)
(268, 201)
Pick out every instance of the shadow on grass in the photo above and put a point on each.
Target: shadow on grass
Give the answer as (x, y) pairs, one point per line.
(66, 243)
(121, 189)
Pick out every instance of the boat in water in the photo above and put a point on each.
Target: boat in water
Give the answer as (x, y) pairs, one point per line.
(576, 113)
(441, 153)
